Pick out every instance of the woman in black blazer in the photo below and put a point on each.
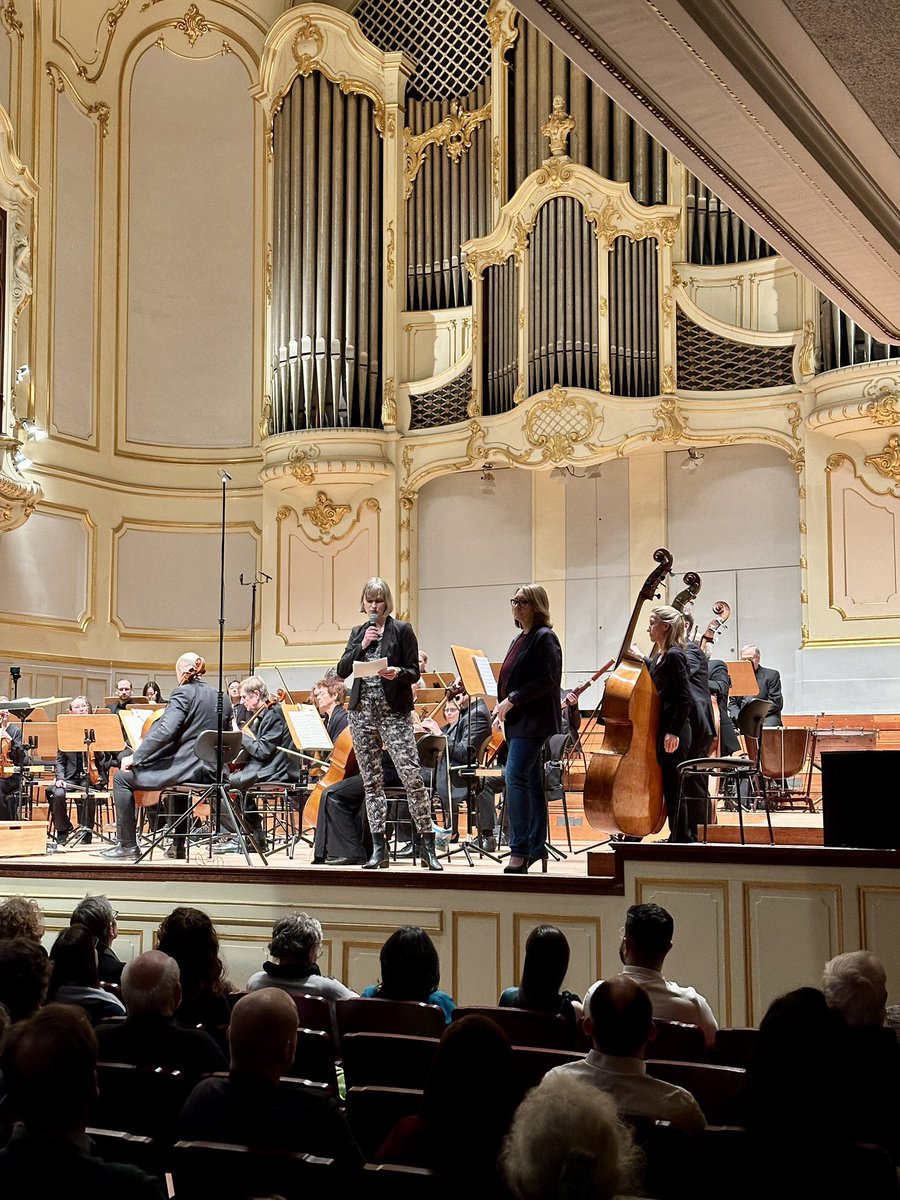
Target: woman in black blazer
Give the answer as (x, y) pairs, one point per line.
(669, 671)
(380, 717)
(528, 704)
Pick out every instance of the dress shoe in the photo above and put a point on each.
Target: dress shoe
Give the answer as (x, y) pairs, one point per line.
(86, 838)
(539, 858)
(487, 842)
(63, 835)
(343, 862)
(176, 851)
(405, 851)
(517, 865)
(121, 852)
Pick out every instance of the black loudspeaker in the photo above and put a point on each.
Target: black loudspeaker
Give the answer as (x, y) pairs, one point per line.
(861, 799)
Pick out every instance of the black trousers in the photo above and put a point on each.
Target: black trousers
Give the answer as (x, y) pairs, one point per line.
(59, 807)
(342, 826)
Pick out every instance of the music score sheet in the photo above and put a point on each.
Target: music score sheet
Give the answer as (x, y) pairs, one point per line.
(307, 728)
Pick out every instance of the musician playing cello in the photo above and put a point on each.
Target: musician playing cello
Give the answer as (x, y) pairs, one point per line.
(12, 753)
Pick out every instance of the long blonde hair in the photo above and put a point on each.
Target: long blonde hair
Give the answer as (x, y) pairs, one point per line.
(674, 622)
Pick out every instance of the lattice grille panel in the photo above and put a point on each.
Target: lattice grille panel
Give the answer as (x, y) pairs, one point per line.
(709, 363)
(443, 406)
(448, 39)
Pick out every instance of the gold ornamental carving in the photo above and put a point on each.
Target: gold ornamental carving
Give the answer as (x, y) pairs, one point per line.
(554, 173)
(883, 409)
(807, 358)
(22, 286)
(390, 265)
(804, 598)
(500, 19)
(10, 19)
(193, 25)
(554, 428)
(454, 133)
(557, 128)
(389, 403)
(307, 48)
(495, 166)
(887, 463)
(325, 514)
(265, 418)
(605, 379)
(268, 273)
(668, 385)
(308, 44)
(667, 306)
(671, 423)
(302, 463)
(794, 418)
(605, 222)
(97, 111)
(110, 20)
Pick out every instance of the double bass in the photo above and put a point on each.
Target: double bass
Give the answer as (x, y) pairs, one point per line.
(623, 787)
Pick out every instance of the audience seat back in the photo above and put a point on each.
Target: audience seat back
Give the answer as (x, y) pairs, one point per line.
(372, 1015)
(734, 1047)
(204, 1169)
(372, 1112)
(142, 1100)
(678, 1042)
(387, 1059)
(313, 1012)
(533, 1063)
(314, 1058)
(524, 1027)
(717, 1090)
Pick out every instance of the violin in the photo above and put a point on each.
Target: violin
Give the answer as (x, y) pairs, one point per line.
(623, 786)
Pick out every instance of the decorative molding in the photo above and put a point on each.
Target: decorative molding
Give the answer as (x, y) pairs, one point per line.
(110, 20)
(389, 403)
(671, 422)
(887, 463)
(10, 20)
(496, 163)
(557, 128)
(265, 418)
(806, 360)
(302, 463)
(325, 514)
(883, 409)
(500, 19)
(98, 110)
(389, 263)
(454, 134)
(667, 383)
(193, 25)
(555, 427)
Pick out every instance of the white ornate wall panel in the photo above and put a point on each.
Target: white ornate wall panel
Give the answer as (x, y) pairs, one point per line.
(47, 570)
(73, 378)
(166, 580)
(879, 911)
(804, 918)
(476, 961)
(190, 290)
(765, 295)
(583, 934)
(864, 550)
(434, 341)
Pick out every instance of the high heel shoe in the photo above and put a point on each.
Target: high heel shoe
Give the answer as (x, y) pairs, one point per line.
(380, 857)
(539, 858)
(517, 865)
(428, 858)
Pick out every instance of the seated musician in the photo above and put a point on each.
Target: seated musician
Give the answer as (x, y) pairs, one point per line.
(329, 695)
(72, 776)
(124, 696)
(12, 754)
(166, 755)
(768, 682)
(342, 828)
(261, 759)
(465, 736)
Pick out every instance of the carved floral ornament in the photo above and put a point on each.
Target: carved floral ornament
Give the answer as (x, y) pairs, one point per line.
(555, 428)
(557, 128)
(887, 463)
(325, 514)
(884, 407)
(454, 133)
(500, 19)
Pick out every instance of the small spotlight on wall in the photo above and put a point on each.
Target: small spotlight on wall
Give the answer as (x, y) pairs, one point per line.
(694, 459)
(33, 432)
(21, 461)
(22, 372)
(488, 482)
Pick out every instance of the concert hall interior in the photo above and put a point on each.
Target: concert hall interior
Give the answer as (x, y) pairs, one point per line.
(462, 297)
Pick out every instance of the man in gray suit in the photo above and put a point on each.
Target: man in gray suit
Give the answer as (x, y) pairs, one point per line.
(166, 755)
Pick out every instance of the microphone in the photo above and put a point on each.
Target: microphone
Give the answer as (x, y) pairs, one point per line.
(373, 618)
(224, 476)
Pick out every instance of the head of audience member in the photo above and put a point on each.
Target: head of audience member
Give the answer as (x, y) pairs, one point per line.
(855, 985)
(152, 691)
(621, 1018)
(24, 976)
(472, 1072)
(74, 959)
(546, 964)
(410, 968)
(21, 917)
(151, 985)
(328, 694)
(98, 917)
(254, 693)
(797, 1077)
(80, 705)
(189, 936)
(751, 655)
(647, 937)
(296, 940)
(124, 689)
(49, 1069)
(263, 1033)
(567, 1140)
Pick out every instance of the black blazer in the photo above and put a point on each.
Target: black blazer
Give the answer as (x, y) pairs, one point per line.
(400, 647)
(533, 686)
(670, 674)
(720, 686)
(703, 730)
(768, 681)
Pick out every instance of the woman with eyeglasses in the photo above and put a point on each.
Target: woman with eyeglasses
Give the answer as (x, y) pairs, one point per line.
(528, 706)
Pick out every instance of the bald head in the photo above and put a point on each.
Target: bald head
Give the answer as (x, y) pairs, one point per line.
(621, 1017)
(151, 983)
(263, 1033)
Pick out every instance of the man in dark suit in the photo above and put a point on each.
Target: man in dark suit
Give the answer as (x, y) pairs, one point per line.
(464, 739)
(11, 745)
(150, 1036)
(166, 755)
(703, 734)
(768, 681)
(261, 757)
(124, 696)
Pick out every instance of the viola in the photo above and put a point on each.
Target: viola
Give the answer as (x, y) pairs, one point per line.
(623, 786)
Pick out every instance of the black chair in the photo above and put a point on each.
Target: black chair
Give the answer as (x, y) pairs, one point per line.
(204, 1169)
(387, 1059)
(141, 1100)
(431, 749)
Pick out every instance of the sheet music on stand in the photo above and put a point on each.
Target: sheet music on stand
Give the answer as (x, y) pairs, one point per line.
(306, 727)
(475, 671)
(132, 720)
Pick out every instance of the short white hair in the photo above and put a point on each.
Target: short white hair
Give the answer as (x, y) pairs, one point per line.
(567, 1126)
(855, 985)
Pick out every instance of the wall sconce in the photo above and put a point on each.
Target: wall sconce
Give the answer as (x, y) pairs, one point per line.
(488, 481)
(593, 472)
(32, 431)
(694, 458)
(21, 461)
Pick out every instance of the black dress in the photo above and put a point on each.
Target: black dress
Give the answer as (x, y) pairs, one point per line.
(669, 672)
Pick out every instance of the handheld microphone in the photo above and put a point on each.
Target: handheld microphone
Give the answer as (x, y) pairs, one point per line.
(373, 618)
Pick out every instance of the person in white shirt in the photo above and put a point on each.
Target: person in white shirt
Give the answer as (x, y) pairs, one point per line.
(646, 942)
(620, 1025)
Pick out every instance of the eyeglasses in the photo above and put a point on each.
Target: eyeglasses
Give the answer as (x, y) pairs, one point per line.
(519, 601)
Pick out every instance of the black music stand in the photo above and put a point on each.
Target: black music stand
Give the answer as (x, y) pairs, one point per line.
(80, 733)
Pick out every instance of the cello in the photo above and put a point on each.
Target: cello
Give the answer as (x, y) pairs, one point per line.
(623, 786)
(341, 764)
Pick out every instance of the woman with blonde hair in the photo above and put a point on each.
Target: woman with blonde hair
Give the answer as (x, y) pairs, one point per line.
(669, 671)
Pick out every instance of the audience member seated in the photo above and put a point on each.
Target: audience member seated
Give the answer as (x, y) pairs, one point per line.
(295, 945)
(24, 976)
(566, 1140)
(21, 917)
(74, 979)
(620, 1024)
(411, 970)
(49, 1068)
(543, 972)
(249, 1108)
(150, 1036)
(646, 942)
(188, 936)
(98, 917)
(472, 1078)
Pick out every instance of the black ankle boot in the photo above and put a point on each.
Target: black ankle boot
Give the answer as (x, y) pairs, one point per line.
(428, 857)
(379, 853)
